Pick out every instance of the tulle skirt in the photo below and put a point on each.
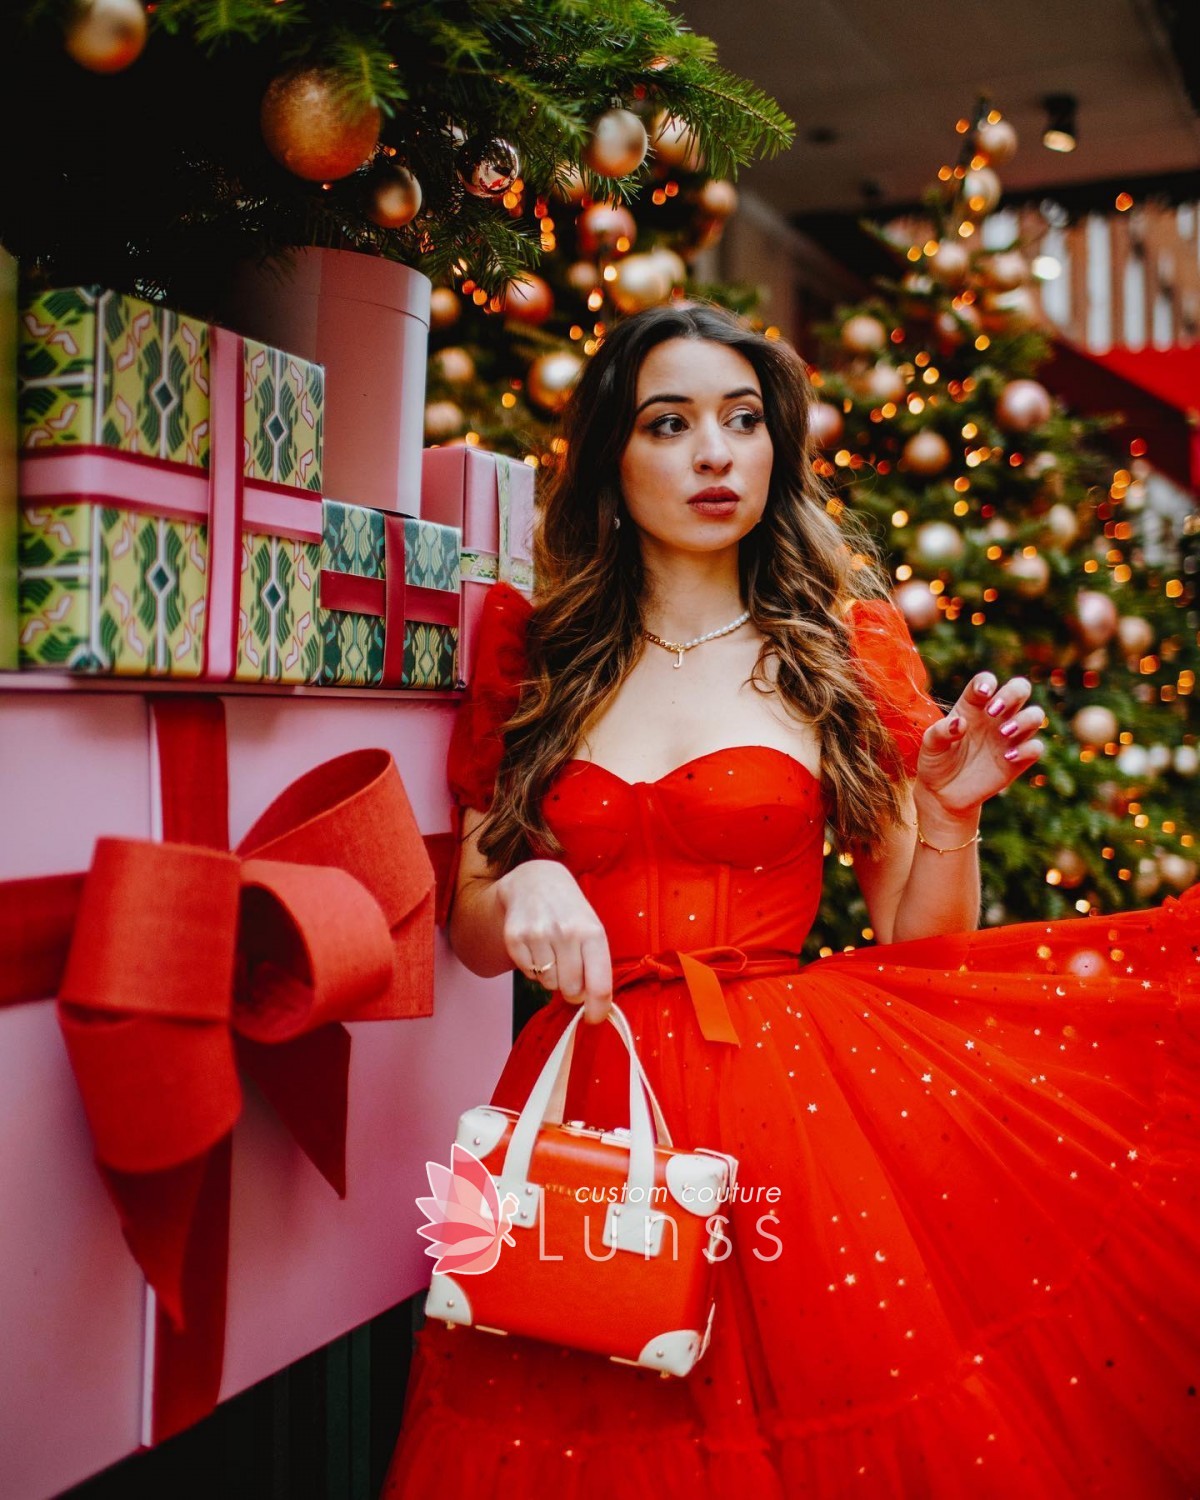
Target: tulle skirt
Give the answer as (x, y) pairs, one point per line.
(980, 1272)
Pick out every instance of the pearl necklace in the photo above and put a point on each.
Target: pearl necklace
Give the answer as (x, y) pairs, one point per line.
(680, 647)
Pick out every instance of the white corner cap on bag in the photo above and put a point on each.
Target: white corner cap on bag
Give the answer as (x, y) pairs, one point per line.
(481, 1130)
(447, 1300)
(698, 1183)
(675, 1352)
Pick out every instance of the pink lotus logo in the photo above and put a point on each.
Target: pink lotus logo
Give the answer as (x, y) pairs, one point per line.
(465, 1219)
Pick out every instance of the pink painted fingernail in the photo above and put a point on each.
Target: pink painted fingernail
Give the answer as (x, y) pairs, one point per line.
(1009, 728)
(986, 687)
(957, 725)
(1013, 753)
(996, 706)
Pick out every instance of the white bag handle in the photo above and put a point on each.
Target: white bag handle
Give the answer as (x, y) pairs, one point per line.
(515, 1172)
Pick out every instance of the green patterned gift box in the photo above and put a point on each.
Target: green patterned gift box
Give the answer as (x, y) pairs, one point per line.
(389, 599)
(169, 494)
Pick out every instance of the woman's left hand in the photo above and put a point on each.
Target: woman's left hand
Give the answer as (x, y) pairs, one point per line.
(985, 742)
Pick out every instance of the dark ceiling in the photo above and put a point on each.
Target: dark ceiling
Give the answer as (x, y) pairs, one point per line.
(875, 88)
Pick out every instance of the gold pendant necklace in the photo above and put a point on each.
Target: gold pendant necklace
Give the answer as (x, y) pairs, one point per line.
(680, 647)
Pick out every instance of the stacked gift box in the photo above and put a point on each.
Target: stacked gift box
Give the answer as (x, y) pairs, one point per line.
(172, 520)
(170, 495)
(489, 498)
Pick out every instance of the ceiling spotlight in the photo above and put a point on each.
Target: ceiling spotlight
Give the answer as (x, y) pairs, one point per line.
(1059, 134)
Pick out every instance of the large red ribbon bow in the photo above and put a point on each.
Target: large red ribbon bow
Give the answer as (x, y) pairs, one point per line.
(178, 965)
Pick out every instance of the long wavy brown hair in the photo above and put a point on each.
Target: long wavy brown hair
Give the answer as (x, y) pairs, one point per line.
(799, 569)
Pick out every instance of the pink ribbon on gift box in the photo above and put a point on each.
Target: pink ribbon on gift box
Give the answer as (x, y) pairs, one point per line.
(391, 597)
(220, 495)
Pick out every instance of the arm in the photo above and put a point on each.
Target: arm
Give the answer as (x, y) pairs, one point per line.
(533, 915)
(912, 890)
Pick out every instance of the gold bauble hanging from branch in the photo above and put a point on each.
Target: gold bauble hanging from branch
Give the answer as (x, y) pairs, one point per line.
(617, 145)
(309, 128)
(105, 36)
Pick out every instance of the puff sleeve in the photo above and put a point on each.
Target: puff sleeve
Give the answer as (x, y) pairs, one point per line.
(476, 742)
(893, 675)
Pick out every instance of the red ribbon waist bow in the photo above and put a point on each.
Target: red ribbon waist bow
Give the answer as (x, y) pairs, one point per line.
(701, 970)
(176, 965)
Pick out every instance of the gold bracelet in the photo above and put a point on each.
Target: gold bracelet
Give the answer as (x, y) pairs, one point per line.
(953, 849)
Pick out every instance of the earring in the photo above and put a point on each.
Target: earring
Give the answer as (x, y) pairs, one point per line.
(616, 523)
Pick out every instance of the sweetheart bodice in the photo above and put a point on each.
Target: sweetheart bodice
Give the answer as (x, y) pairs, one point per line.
(724, 849)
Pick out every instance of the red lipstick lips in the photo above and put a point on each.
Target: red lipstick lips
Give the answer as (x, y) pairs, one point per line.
(718, 500)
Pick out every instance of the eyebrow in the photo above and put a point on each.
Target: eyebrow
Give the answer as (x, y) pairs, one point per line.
(745, 390)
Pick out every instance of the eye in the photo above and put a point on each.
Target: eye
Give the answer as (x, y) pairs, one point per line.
(660, 428)
(747, 419)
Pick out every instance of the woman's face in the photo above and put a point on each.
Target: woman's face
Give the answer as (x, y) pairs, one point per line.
(697, 466)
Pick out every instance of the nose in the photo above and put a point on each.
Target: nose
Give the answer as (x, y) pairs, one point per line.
(712, 454)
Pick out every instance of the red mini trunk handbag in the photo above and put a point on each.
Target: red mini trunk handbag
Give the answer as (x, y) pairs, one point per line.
(616, 1235)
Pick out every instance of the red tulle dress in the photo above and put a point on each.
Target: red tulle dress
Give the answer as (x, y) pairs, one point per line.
(980, 1276)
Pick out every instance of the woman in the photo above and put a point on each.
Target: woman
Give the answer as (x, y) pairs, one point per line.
(979, 1272)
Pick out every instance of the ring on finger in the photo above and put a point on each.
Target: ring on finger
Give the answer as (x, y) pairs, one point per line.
(538, 969)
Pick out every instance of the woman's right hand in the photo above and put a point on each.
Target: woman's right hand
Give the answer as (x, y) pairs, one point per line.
(548, 921)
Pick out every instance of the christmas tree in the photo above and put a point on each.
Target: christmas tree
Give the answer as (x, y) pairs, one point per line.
(1017, 544)
(187, 135)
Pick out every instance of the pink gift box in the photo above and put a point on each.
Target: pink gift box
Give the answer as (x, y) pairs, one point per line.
(304, 1265)
(490, 498)
(366, 320)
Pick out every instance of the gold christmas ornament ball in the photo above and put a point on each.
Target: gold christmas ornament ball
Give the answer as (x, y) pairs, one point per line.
(917, 602)
(528, 299)
(552, 378)
(601, 225)
(1147, 879)
(1010, 312)
(997, 140)
(938, 544)
(1134, 761)
(1185, 760)
(672, 264)
(491, 168)
(395, 198)
(617, 145)
(1072, 868)
(569, 187)
(583, 277)
(105, 36)
(443, 420)
(1029, 576)
(1023, 405)
(1044, 467)
(954, 324)
(1005, 270)
(1178, 872)
(309, 129)
(980, 192)
(641, 281)
(880, 384)
(445, 307)
(717, 198)
(674, 144)
(1095, 618)
(454, 365)
(1135, 635)
(1095, 725)
(949, 264)
(1062, 524)
(825, 424)
(863, 334)
(926, 452)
